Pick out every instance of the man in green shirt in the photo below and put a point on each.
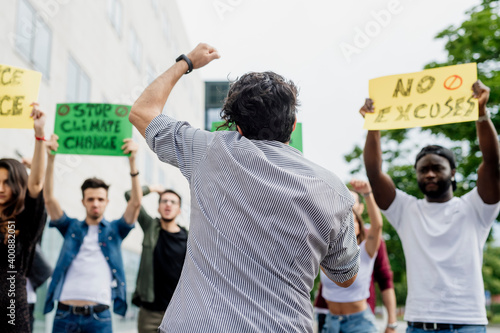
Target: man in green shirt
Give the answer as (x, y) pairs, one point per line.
(163, 252)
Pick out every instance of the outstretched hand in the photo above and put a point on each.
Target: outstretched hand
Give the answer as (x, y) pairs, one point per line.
(202, 54)
(481, 92)
(367, 108)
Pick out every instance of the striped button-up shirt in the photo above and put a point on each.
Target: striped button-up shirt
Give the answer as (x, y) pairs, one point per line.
(263, 219)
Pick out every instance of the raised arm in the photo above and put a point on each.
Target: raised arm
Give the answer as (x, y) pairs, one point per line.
(382, 275)
(144, 218)
(383, 187)
(488, 173)
(151, 102)
(134, 204)
(53, 208)
(35, 179)
(389, 301)
(375, 232)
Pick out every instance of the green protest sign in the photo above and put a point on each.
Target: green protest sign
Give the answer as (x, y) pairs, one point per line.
(92, 129)
(295, 140)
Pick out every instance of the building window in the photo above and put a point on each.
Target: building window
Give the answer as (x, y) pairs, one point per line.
(135, 49)
(149, 174)
(115, 15)
(215, 93)
(78, 90)
(33, 38)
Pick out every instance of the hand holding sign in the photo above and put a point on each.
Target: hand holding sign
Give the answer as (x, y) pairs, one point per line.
(130, 147)
(52, 144)
(431, 97)
(367, 107)
(481, 92)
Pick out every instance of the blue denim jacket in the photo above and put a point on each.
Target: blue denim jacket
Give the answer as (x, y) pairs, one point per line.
(111, 235)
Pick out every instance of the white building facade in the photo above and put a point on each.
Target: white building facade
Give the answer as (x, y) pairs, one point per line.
(104, 51)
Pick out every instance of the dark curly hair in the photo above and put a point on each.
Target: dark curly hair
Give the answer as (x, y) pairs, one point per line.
(18, 182)
(263, 105)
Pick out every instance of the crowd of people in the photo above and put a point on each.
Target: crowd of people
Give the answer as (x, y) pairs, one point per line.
(265, 221)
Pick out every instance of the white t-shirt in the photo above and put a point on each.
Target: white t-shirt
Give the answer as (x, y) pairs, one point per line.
(443, 245)
(89, 276)
(359, 289)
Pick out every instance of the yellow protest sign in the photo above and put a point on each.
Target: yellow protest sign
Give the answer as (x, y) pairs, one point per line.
(18, 89)
(427, 98)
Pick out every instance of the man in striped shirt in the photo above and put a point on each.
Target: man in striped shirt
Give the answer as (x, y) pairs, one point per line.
(263, 218)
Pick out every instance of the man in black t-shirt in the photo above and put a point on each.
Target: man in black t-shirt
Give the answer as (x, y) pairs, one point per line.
(163, 252)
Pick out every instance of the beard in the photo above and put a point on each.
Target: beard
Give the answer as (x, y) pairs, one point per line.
(167, 220)
(442, 187)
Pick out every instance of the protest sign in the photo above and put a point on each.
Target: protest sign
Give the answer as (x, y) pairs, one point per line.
(295, 139)
(427, 98)
(92, 129)
(18, 89)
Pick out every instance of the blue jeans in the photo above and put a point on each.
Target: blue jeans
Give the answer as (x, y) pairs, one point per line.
(359, 322)
(68, 322)
(463, 329)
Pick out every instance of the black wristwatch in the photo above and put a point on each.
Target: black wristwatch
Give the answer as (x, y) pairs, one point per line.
(186, 59)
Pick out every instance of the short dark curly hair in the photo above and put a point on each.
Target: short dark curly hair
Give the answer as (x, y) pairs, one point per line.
(263, 105)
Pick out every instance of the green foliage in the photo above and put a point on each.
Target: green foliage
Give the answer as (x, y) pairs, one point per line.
(491, 269)
(477, 39)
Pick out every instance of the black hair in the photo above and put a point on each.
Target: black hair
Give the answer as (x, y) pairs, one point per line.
(263, 105)
(440, 151)
(94, 183)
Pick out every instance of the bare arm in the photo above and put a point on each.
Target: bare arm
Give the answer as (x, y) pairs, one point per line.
(150, 103)
(35, 179)
(383, 187)
(53, 208)
(389, 301)
(134, 204)
(488, 173)
(375, 231)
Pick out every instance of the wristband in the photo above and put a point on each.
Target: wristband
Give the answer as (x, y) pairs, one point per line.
(367, 194)
(186, 59)
(393, 325)
(134, 174)
(40, 138)
(484, 118)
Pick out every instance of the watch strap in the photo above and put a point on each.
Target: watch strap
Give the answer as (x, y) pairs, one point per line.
(186, 59)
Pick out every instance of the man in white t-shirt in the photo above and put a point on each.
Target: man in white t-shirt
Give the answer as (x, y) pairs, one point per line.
(89, 275)
(442, 235)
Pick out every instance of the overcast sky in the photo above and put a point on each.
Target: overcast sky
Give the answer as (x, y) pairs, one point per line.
(330, 49)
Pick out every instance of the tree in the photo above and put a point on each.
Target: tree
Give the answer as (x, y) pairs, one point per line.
(476, 40)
